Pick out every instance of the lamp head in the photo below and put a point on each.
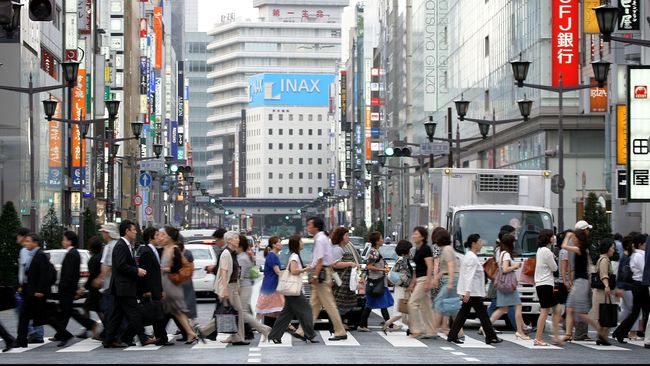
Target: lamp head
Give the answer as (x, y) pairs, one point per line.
(484, 129)
(197, 185)
(190, 179)
(606, 17)
(601, 68)
(157, 149)
(525, 107)
(49, 106)
(84, 128)
(369, 167)
(136, 128)
(115, 149)
(520, 70)
(113, 107)
(381, 159)
(462, 106)
(430, 127)
(70, 72)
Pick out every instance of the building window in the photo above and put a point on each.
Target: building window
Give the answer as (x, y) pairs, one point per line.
(300, 175)
(270, 175)
(280, 162)
(300, 117)
(270, 161)
(311, 132)
(300, 190)
(290, 190)
(486, 101)
(320, 132)
(310, 146)
(300, 132)
(487, 46)
(310, 161)
(320, 161)
(311, 190)
(290, 175)
(280, 175)
(279, 189)
(320, 118)
(291, 132)
(280, 132)
(270, 189)
(290, 160)
(320, 146)
(310, 175)
(270, 146)
(320, 175)
(280, 147)
(280, 117)
(310, 117)
(290, 146)
(300, 161)
(290, 117)
(300, 146)
(270, 117)
(270, 131)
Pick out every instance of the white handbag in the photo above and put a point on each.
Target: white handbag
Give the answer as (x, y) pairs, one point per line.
(289, 284)
(354, 279)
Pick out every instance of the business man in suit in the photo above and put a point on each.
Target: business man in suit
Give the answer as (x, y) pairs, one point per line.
(36, 288)
(69, 284)
(150, 286)
(124, 287)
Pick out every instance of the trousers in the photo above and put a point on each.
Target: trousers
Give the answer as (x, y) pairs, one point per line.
(294, 306)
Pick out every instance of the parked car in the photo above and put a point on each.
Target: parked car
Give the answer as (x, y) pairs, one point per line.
(203, 256)
(358, 243)
(199, 236)
(56, 258)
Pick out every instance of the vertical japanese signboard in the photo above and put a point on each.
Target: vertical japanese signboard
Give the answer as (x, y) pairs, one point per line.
(564, 50)
(629, 12)
(78, 113)
(55, 151)
(589, 16)
(597, 97)
(158, 31)
(621, 134)
(638, 132)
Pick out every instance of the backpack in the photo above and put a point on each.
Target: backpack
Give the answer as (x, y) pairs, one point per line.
(184, 274)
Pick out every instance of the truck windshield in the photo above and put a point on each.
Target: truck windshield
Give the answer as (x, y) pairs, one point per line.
(487, 223)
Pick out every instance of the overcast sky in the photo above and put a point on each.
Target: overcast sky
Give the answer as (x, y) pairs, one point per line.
(210, 11)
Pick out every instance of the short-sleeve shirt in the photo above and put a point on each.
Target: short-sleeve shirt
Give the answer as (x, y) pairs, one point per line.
(447, 255)
(322, 249)
(245, 265)
(107, 260)
(337, 252)
(418, 258)
(375, 258)
(505, 256)
(270, 281)
(604, 267)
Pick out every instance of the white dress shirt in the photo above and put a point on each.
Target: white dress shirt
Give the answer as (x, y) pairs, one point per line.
(544, 267)
(472, 277)
(637, 264)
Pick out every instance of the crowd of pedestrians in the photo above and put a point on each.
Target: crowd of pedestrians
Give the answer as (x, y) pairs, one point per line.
(132, 285)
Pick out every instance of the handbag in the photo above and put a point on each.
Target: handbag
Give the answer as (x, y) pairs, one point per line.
(225, 317)
(184, 274)
(254, 273)
(506, 282)
(289, 284)
(529, 266)
(394, 276)
(7, 298)
(608, 313)
(354, 279)
(151, 311)
(450, 306)
(597, 282)
(376, 286)
(491, 268)
(625, 274)
(403, 304)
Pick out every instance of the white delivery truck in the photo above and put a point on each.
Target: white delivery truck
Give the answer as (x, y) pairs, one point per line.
(467, 201)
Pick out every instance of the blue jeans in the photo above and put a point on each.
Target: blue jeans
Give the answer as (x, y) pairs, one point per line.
(35, 332)
(511, 312)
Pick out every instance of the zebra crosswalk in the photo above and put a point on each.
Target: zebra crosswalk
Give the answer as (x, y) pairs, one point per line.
(391, 339)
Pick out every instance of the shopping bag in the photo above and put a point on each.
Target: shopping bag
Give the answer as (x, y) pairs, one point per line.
(608, 313)
(226, 318)
(7, 298)
(402, 304)
(450, 306)
(354, 279)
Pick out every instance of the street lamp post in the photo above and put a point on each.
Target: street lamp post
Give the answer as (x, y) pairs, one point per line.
(49, 106)
(607, 17)
(70, 70)
(462, 106)
(520, 71)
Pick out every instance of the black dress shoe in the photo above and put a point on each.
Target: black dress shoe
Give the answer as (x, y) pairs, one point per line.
(82, 335)
(35, 339)
(602, 342)
(338, 338)
(490, 341)
(242, 343)
(115, 345)
(620, 339)
(149, 341)
(165, 343)
(646, 346)
(63, 342)
(454, 340)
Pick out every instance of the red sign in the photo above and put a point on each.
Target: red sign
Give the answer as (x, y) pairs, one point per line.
(158, 31)
(143, 27)
(71, 55)
(565, 42)
(640, 92)
(137, 200)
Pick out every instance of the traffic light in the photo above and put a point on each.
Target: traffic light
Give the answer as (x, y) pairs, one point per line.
(41, 10)
(226, 212)
(389, 151)
(402, 151)
(298, 211)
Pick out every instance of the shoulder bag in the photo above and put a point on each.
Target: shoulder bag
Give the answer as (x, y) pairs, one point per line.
(529, 266)
(184, 273)
(394, 276)
(491, 268)
(289, 284)
(225, 317)
(608, 313)
(506, 282)
(597, 282)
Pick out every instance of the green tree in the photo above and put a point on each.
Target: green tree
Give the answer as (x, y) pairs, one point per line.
(283, 231)
(9, 249)
(52, 230)
(596, 216)
(361, 230)
(90, 225)
(378, 226)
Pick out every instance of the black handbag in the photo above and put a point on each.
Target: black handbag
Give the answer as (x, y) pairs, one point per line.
(626, 274)
(376, 287)
(151, 311)
(597, 282)
(7, 298)
(226, 319)
(608, 313)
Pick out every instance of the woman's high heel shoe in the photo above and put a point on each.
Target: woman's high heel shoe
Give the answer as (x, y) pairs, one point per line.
(199, 334)
(312, 340)
(521, 336)
(275, 340)
(194, 340)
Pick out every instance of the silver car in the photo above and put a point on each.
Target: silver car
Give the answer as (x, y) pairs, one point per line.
(204, 256)
(56, 258)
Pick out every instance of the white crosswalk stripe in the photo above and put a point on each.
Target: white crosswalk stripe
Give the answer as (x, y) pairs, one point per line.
(592, 345)
(526, 343)
(30, 347)
(286, 339)
(351, 341)
(83, 346)
(400, 339)
(469, 342)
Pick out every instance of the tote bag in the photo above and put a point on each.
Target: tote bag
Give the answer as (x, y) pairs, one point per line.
(225, 317)
(608, 313)
(505, 282)
(289, 284)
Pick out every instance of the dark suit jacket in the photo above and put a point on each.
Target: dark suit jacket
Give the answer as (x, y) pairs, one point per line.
(124, 275)
(38, 275)
(69, 280)
(152, 282)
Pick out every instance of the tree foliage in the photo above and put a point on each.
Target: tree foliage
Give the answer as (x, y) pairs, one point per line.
(9, 249)
(51, 230)
(361, 230)
(90, 225)
(596, 216)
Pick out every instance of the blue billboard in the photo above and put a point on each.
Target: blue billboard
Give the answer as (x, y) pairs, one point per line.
(307, 90)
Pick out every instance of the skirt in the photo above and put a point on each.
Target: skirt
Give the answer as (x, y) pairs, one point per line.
(445, 292)
(379, 302)
(508, 299)
(546, 297)
(579, 298)
(270, 304)
(345, 299)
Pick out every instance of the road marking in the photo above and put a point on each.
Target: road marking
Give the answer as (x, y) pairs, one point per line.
(401, 340)
(255, 349)
(254, 360)
(471, 359)
(83, 346)
(636, 343)
(287, 338)
(469, 342)
(592, 345)
(458, 354)
(30, 347)
(447, 348)
(213, 344)
(150, 347)
(525, 343)
(351, 341)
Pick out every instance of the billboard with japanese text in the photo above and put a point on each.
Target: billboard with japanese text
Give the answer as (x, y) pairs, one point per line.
(638, 130)
(565, 42)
